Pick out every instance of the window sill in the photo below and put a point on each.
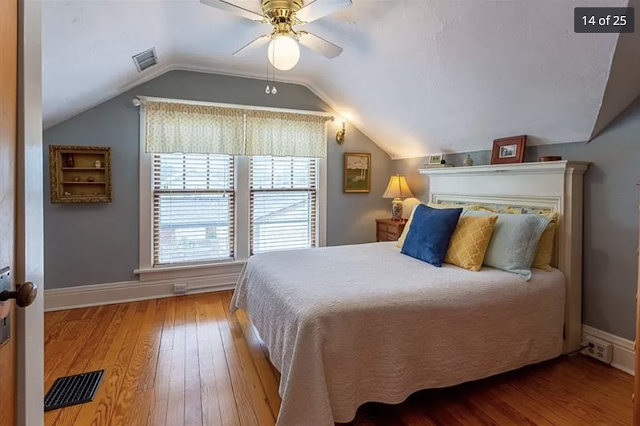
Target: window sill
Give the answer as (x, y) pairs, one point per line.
(187, 271)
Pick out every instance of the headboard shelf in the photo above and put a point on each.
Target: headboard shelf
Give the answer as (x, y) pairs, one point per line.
(520, 168)
(555, 186)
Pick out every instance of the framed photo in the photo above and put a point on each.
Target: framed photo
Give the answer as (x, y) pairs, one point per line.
(434, 159)
(509, 150)
(357, 172)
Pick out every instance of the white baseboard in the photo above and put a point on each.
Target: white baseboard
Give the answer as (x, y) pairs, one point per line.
(131, 291)
(623, 353)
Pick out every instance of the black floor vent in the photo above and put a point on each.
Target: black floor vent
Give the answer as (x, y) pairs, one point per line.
(73, 390)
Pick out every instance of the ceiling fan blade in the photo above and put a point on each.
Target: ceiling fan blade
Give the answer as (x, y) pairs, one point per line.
(319, 45)
(259, 42)
(316, 9)
(245, 10)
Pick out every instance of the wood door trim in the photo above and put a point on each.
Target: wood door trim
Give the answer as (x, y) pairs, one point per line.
(8, 144)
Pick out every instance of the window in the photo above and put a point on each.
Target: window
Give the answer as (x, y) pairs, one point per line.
(193, 208)
(212, 194)
(282, 204)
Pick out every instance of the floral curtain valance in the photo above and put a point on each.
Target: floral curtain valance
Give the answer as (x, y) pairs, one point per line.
(286, 134)
(201, 129)
(193, 129)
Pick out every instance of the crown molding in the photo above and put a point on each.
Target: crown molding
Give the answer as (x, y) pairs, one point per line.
(310, 84)
(162, 69)
(169, 67)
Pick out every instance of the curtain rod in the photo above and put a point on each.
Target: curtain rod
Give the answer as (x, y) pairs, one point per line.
(139, 100)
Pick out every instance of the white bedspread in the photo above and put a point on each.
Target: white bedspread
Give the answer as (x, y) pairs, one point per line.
(352, 324)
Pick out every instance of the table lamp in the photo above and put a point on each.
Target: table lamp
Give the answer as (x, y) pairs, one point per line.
(397, 189)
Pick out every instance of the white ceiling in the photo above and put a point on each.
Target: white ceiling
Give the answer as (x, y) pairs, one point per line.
(624, 85)
(417, 76)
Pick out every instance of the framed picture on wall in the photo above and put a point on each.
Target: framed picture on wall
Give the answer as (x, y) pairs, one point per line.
(357, 172)
(509, 150)
(434, 159)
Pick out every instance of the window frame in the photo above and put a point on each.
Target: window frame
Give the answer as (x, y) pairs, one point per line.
(146, 271)
(169, 193)
(311, 189)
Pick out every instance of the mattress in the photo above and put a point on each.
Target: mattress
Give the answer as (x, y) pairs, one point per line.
(353, 324)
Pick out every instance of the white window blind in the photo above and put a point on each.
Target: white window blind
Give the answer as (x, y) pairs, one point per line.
(193, 208)
(283, 203)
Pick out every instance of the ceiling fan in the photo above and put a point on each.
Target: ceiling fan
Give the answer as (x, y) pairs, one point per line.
(283, 15)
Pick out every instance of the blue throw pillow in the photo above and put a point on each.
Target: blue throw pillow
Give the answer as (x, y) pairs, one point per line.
(430, 233)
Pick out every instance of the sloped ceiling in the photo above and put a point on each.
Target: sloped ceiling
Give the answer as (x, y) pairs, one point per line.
(623, 86)
(416, 76)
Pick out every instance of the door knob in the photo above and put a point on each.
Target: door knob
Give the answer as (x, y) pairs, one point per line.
(24, 295)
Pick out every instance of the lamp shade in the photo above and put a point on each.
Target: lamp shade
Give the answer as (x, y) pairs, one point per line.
(397, 188)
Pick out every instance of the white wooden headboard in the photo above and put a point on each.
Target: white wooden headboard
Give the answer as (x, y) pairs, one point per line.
(556, 186)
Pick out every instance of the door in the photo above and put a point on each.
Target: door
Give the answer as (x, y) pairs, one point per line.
(636, 388)
(8, 144)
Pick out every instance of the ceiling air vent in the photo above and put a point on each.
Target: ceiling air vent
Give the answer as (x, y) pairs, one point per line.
(145, 59)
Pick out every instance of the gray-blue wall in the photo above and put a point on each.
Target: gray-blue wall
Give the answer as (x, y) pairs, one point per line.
(93, 244)
(90, 244)
(610, 271)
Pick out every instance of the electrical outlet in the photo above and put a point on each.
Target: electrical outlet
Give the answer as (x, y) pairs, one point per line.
(180, 288)
(598, 349)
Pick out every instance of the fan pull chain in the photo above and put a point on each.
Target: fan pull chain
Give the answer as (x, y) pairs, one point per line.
(271, 89)
(268, 89)
(273, 73)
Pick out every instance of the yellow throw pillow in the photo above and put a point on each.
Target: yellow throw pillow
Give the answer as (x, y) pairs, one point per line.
(447, 206)
(482, 208)
(470, 241)
(405, 231)
(545, 247)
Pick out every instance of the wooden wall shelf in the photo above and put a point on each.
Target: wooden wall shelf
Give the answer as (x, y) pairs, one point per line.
(80, 174)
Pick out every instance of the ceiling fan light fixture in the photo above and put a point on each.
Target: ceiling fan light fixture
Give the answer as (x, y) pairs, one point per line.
(284, 52)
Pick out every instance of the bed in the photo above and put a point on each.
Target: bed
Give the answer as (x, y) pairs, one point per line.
(353, 324)
(344, 327)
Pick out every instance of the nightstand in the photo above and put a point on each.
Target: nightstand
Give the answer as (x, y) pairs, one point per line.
(389, 230)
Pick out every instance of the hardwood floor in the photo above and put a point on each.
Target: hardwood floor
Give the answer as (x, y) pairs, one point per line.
(189, 361)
